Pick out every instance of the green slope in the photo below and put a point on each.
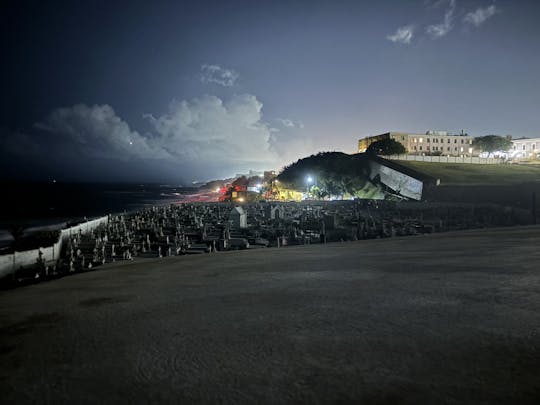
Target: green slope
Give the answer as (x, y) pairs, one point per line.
(459, 173)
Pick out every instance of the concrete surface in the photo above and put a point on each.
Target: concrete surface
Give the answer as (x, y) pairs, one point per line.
(440, 319)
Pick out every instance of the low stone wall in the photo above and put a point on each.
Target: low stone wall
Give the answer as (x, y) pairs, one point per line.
(447, 159)
(11, 262)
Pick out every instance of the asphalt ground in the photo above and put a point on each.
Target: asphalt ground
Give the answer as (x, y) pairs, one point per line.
(438, 319)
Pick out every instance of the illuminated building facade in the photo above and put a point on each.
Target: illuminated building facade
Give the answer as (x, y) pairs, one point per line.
(430, 143)
(525, 148)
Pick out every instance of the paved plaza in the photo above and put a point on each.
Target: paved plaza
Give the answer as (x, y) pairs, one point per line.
(442, 318)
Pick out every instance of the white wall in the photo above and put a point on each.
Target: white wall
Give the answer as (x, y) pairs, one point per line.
(11, 262)
(447, 159)
(405, 185)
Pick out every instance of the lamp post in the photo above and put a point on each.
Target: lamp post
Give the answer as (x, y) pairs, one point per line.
(309, 181)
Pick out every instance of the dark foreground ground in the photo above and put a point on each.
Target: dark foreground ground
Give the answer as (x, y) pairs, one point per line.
(447, 318)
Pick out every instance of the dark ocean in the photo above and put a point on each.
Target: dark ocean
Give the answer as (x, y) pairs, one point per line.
(39, 204)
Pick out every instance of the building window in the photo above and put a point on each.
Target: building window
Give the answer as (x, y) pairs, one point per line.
(462, 141)
(455, 140)
(449, 148)
(470, 150)
(523, 146)
(449, 141)
(421, 140)
(420, 148)
(455, 148)
(427, 140)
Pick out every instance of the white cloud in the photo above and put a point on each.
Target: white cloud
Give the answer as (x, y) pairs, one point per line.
(288, 123)
(209, 129)
(403, 35)
(217, 74)
(204, 135)
(436, 31)
(97, 131)
(480, 15)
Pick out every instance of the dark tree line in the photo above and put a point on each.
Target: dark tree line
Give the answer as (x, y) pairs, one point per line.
(332, 174)
(386, 147)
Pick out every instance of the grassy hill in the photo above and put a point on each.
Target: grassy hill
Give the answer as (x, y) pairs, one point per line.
(469, 174)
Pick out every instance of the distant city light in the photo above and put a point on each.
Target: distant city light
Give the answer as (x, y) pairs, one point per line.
(241, 199)
(217, 190)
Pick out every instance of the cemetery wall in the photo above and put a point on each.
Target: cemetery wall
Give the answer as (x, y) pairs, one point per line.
(10, 262)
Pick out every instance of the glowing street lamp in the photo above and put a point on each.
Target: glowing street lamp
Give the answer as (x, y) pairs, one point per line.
(309, 180)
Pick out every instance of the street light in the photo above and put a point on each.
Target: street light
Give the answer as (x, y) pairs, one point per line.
(309, 180)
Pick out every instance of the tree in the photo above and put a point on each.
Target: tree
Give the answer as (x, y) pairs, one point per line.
(386, 147)
(17, 232)
(492, 143)
(333, 174)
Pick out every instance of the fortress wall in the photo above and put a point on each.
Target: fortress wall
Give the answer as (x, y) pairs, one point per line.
(400, 182)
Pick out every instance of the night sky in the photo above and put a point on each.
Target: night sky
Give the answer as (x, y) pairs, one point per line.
(176, 91)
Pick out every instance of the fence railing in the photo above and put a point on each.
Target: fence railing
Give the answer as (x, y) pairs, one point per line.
(447, 159)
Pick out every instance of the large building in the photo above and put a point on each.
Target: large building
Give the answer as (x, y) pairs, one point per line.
(525, 148)
(430, 143)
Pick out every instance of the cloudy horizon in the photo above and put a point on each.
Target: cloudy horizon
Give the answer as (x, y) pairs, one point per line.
(184, 91)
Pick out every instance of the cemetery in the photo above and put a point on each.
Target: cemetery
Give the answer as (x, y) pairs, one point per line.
(199, 228)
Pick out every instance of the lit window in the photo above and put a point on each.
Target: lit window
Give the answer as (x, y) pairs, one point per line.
(470, 150)
(421, 140)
